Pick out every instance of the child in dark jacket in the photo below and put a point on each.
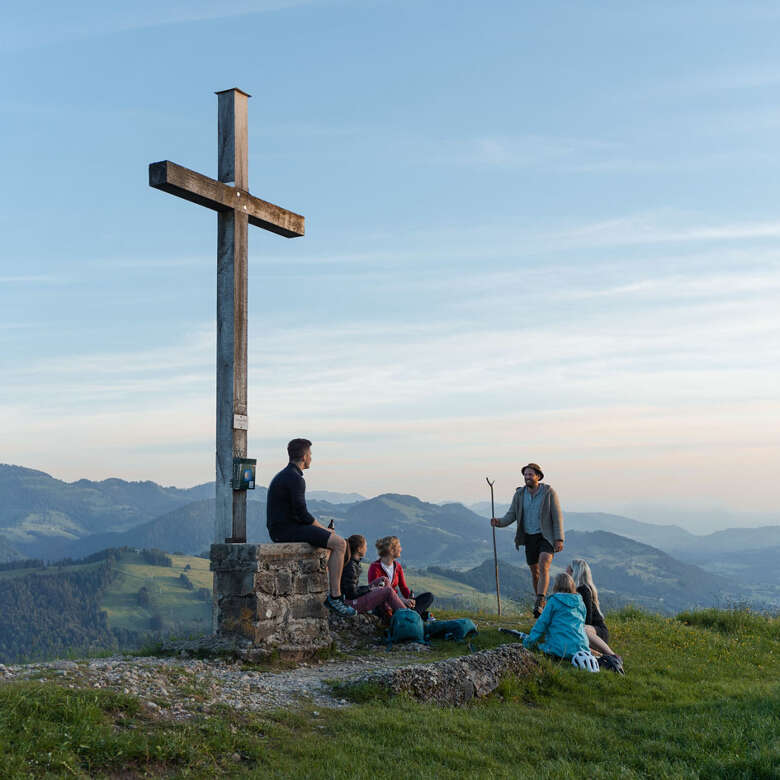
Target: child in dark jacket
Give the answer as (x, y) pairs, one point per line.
(366, 598)
(388, 565)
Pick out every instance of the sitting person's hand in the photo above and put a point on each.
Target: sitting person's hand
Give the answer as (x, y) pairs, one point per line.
(410, 603)
(379, 582)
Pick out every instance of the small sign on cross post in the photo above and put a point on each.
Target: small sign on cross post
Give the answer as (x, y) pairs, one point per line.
(236, 208)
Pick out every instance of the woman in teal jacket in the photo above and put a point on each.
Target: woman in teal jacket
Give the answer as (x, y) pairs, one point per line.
(562, 623)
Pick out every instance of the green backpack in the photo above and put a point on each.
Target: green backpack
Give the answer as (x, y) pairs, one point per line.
(406, 625)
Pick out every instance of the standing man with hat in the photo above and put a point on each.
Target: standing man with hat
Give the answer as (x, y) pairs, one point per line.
(536, 510)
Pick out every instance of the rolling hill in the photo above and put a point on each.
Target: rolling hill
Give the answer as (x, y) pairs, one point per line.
(38, 512)
(625, 571)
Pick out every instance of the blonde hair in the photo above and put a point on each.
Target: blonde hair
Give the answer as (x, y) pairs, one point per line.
(580, 572)
(563, 583)
(386, 545)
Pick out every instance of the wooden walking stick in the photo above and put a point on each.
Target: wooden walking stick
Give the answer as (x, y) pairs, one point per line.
(495, 554)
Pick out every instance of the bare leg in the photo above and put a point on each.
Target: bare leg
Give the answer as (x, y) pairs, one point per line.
(534, 567)
(338, 548)
(545, 559)
(597, 643)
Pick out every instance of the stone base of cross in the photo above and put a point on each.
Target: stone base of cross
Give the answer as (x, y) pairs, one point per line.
(236, 209)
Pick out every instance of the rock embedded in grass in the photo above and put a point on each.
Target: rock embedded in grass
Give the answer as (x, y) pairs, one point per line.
(456, 680)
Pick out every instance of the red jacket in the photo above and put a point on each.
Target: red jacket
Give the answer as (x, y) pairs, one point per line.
(375, 571)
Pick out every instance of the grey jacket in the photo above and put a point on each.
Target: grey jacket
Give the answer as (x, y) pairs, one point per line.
(552, 517)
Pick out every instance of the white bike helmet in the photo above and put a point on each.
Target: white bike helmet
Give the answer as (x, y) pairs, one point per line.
(584, 660)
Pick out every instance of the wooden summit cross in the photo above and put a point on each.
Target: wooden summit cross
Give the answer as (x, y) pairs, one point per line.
(236, 209)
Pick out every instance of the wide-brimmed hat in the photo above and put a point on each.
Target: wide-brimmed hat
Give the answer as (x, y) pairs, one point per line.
(535, 466)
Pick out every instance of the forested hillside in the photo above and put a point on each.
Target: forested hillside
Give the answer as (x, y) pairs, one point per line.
(81, 606)
(54, 613)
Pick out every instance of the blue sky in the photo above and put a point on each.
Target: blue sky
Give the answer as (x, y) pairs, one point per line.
(535, 231)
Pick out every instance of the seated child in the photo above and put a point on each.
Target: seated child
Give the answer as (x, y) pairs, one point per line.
(562, 624)
(377, 595)
(388, 565)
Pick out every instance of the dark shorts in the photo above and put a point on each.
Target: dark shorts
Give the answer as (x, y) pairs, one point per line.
(313, 534)
(535, 544)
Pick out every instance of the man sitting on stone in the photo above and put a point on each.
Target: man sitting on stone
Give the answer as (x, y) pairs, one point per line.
(289, 520)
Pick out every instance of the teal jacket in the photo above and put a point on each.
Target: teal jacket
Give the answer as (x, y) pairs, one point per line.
(563, 626)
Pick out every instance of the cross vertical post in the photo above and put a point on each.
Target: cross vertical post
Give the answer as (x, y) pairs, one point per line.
(232, 280)
(236, 209)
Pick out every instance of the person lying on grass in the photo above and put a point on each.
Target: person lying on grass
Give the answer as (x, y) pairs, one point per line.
(365, 598)
(389, 551)
(595, 627)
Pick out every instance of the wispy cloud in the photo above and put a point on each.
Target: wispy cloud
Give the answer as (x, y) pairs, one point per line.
(30, 26)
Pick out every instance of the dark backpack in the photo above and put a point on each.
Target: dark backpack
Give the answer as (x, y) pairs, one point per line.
(457, 629)
(406, 625)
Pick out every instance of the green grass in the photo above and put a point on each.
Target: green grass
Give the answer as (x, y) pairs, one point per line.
(695, 702)
(735, 621)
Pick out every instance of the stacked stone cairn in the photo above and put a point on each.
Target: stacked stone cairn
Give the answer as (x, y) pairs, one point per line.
(274, 596)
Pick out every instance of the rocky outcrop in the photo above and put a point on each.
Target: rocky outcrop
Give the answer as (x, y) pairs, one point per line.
(456, 680)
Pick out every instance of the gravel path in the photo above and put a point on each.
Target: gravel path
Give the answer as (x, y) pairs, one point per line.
(180, 688)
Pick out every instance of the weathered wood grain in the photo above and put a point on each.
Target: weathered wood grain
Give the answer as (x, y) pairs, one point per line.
(233, 138)
(225, 373)
(213, 194)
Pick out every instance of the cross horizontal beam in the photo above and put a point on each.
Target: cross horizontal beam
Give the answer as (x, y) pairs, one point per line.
(212, 194)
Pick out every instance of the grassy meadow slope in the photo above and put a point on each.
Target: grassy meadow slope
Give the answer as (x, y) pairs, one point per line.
(452, 594)
(700, 699)
(173, 605)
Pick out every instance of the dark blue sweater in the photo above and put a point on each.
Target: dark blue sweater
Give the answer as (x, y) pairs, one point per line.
(286, 501)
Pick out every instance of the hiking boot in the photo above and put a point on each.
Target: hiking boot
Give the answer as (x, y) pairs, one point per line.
(336, 604)
(541, 600)
(612, 662)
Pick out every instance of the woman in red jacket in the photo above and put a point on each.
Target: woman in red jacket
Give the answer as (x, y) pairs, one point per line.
(387, 565)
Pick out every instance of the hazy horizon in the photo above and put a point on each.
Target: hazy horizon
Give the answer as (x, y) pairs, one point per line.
(697, 520)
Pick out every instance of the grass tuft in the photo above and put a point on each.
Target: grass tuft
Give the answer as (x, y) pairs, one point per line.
(738, 620)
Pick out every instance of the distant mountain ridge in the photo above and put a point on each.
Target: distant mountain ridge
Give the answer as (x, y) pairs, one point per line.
(624, 571)
(36, 508)
(41, 517)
